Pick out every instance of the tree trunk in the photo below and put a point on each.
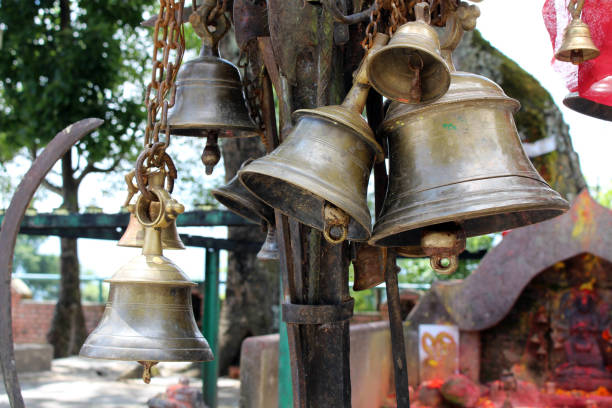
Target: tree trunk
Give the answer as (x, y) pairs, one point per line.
(68, 331)
(251, 303)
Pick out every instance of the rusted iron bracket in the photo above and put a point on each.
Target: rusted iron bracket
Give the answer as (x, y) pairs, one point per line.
(54, 151)
(317, 314)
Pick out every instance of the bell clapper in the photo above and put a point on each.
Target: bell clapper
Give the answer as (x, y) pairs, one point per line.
(146, 374)
(443, 244)
(211, 154)
(334, 219)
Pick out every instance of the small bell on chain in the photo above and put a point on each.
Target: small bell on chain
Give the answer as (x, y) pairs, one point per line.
(457, 169)
(577, 46)
(410, 68)
(210, 100)
(319, 174)
(149, 316)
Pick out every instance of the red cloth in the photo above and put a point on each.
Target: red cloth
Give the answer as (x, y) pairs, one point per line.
(591, 79)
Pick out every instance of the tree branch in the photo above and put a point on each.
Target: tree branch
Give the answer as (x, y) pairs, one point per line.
(51, 187)
(91, 168)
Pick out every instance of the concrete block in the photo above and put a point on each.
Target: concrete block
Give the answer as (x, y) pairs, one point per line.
(33, 357)
(370, 367)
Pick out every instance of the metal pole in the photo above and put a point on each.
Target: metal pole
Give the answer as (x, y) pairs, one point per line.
(285, 389)
(210, 326)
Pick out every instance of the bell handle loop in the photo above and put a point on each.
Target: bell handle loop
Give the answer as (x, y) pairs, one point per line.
(328, 237)
(451, 39)
(200, 21)
(575, 8)
(422, 13)
(436, 264)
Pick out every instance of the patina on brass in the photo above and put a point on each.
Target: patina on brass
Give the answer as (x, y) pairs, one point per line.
(588, 107)
(149, 316)
(325, 162)
(210, 100)
(459, 161)
(369, 266)
(577, 46)
(410, 68)
(134, 234)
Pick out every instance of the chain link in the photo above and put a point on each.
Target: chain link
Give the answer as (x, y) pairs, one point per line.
(372, 27)
(168, 50)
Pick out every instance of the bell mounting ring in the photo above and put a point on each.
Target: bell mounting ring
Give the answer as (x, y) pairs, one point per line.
(206, 16)
(161, 211)
(335, 219)
(154, 157)
(443, 244)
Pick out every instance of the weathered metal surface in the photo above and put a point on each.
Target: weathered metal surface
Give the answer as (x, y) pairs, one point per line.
(486, 296)
(318, 314)
(56, 148)
(459, 159)
(250, 21)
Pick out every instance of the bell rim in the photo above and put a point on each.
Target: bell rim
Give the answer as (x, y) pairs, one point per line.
(244, 130)
(373, 82)
(88, 351)
(243, 202)
(366, 229)
(554, 203)
(603, 109)
(364, 131)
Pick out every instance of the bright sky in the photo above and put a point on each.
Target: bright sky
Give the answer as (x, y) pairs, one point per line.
(514, 27)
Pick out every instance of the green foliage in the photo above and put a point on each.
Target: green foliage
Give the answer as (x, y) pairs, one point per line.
(51, 76)
(603, 197)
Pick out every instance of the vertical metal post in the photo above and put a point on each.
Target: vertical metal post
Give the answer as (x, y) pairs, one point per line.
(210, 325)
(285, 389)
(100, 294)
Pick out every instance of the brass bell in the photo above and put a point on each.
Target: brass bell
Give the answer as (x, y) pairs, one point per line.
(319, 174)
(410, 68)
(458, 165)
(577, 46)
(269, 249)
(241, 201)
(149, 316)
(209, 98)
(369, 266)
(588, 107)
(134, 234)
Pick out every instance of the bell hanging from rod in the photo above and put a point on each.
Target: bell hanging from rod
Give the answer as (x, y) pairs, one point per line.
(577, 46)
(319, 174)
(209, 100)
(410, 69)
(236, 198)
(149, 316)
(135, 231)
(457, 169)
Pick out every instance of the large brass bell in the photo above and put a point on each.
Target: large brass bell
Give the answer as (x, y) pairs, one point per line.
(588, 107)
(319, 174)
(135, 232)
(209, 94)
(410, 68)
(577, 46)
(149, 316)
(457, 165)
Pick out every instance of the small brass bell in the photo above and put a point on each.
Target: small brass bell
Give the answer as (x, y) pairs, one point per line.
(410, 69)
(369, 266)
(577, 46)
(134, 234)
(458, 165)
(588, 107)
(149, 316)
(269, 249)
(319, 174)
(209, 95)
(241, 201)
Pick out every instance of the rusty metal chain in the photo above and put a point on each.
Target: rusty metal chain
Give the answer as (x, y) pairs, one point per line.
(168, 51)
(398, 15)
(169, 41)
(372, 27)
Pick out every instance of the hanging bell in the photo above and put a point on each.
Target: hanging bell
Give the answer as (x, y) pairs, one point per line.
(410, 69)
(577, 46)
(319, 174)
(149, 316)
(209, 98)
(134, 234)
(269, 249)
(369, 266)
(457, 165)
(241, 201)
(588, 107)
